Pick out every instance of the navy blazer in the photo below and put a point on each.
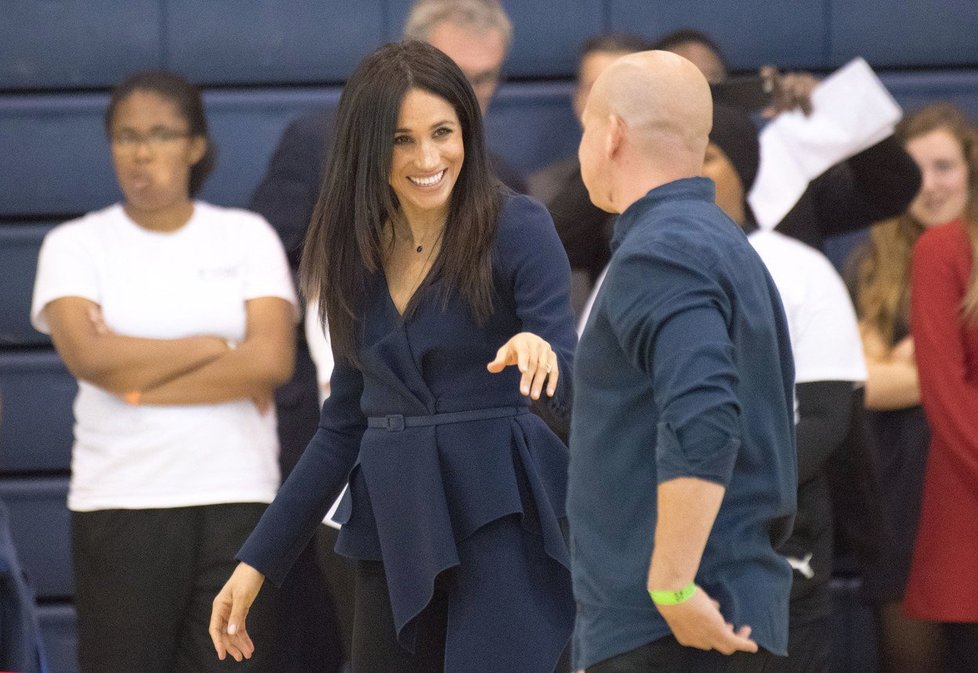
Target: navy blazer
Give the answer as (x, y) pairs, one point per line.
(436, 449)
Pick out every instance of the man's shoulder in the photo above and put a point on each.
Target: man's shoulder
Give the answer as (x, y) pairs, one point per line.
(695, 231)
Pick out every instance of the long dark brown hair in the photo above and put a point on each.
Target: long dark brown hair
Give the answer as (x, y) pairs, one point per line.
(345, 244)
(882, 266)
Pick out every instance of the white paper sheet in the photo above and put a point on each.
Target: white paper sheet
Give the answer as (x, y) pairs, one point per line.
(851, 110)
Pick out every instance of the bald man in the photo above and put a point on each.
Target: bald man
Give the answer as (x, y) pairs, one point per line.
(683, 468)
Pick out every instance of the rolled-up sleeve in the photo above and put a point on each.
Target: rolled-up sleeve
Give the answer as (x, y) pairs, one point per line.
(672, 319)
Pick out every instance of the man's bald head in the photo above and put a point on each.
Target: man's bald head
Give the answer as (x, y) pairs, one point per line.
(648, 117)
(661, 97)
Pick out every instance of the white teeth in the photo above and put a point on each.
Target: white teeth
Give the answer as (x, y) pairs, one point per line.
(427, 182)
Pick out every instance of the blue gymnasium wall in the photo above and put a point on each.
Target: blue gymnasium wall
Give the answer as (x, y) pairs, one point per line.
(262, 62)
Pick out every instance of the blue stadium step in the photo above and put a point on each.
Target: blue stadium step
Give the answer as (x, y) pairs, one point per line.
(19, 245)
(40, 525)
(37, 393)
(60, 636)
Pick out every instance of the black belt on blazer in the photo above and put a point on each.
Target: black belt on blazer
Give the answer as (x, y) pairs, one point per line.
(397, 422)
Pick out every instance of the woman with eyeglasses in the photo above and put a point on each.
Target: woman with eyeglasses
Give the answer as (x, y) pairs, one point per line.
(177, 319)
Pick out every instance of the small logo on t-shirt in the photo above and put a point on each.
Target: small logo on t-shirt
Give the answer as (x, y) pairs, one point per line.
(217, 272)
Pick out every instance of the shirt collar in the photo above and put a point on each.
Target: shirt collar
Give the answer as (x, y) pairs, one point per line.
(686, 189)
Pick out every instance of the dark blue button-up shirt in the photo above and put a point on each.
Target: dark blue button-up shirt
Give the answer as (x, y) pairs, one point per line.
(683, 370)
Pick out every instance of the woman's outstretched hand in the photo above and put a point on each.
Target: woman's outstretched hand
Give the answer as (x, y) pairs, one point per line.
(230, 609)
(534, 358)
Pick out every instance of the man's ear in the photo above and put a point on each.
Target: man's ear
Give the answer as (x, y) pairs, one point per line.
(616, 136)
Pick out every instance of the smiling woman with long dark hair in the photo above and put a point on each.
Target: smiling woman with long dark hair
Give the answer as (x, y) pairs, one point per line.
(448, 304)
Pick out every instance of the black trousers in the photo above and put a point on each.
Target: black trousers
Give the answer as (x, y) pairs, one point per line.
(340, 574)
(666, 655)
(809, 648)
(309, 632)
(375, 645)
(144, 584)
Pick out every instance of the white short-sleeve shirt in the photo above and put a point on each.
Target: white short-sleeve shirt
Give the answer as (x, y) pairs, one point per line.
(822, 323)
(193, 281)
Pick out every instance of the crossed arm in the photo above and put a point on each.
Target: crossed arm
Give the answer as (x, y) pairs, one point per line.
(189, 370)
(892, 381)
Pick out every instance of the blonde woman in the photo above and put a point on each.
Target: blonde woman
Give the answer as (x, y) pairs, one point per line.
(893, 319)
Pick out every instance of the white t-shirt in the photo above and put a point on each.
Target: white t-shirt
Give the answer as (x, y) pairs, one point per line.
(821, 321)
(194, 281)
(822, 324)
(322, 355)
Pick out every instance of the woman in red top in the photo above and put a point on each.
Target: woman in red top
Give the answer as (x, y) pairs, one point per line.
(943, 583)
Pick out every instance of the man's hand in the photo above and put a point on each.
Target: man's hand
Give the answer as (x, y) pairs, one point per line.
(698, 623)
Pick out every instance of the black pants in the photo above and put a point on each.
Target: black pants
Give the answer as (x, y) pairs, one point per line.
(666, 655)
(144, 584)
(340, 574)
(375, 645)
(809, 648)
(309, 631)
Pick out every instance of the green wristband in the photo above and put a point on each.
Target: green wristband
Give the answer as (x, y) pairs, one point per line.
(673, 597)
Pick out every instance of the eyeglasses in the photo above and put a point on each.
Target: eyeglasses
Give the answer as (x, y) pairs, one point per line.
(155, 139)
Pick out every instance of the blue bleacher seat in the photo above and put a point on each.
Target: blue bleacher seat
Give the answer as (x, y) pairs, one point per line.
(36, 428)
(20, 634)
(915, 89)
(60, 636)
(751, 33)
(40, 525)
(533, 124)
(18, 259)
(56, 157)
(266, 42)
(77, 44)
(894, 33)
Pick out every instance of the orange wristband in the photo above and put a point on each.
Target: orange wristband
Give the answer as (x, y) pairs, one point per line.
(132, 397)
